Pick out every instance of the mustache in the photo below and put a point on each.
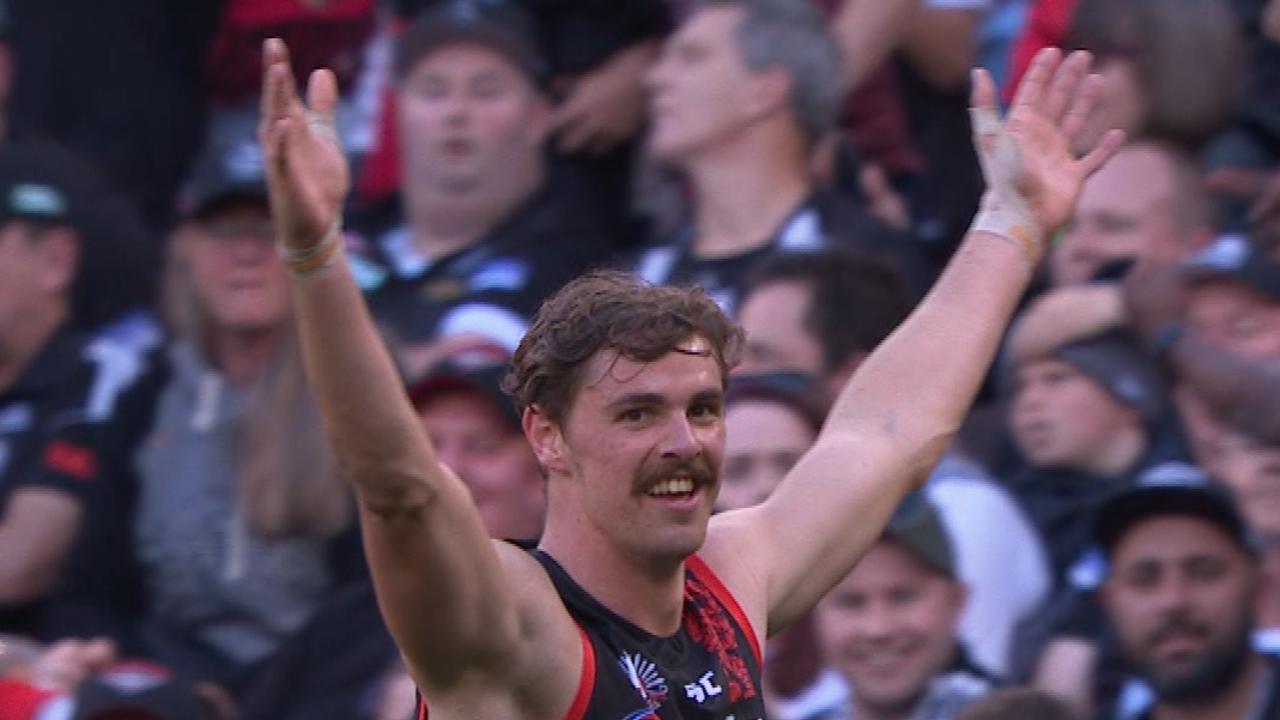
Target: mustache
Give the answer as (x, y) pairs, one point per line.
(1177, 625)
(698, 468)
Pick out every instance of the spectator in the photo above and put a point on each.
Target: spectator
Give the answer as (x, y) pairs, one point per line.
(483, 213)
(1181, 594)
(742, 94)
(1086, 417)
(822, 313)
(1252, 470)
(242, 520)
(1147, 203)
(890, 627)
(58, 392)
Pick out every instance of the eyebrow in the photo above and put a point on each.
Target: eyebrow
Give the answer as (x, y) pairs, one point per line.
(653, 398)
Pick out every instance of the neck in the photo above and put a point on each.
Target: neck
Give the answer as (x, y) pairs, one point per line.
(648, 594)
(866, 711)
(1230, 705)
(243, 355)
(24, 341)
(745, 188)
(1120, 454)
(446, 222)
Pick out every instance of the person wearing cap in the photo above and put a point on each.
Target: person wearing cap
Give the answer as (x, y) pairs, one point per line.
(796, 312)
(485, 228)
(1086, 417)
(890, 627)
(241, 526)
(1181, 594)
(58, 393)
(740, 97)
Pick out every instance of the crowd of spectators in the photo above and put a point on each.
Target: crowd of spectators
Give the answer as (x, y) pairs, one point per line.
(176, 541)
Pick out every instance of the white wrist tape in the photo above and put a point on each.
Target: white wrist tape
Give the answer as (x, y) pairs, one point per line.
(1003, 211)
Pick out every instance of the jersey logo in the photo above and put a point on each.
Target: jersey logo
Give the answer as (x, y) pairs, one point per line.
(63, 457)
(704, 689)
(644, 677)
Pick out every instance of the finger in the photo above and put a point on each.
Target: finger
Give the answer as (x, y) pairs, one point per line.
(575, 137)
(983, 94)
(1107, 147)
(1065, 84)
(1268, 204)
(322, 94)
(1036, 78)
(1082, 106)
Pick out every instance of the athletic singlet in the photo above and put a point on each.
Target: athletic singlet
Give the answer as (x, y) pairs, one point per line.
(708, 670)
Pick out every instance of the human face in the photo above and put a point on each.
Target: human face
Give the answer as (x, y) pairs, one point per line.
(469, 120)
(1236, 318)
(1253, 471)
(1063, 418)
(492, 459)
(1127, 210)
(778, 340)
(30, 277)
(701, 91)
(238, 277)
(1180, 596)
(764, 440)
(643, 446)
(890, 627)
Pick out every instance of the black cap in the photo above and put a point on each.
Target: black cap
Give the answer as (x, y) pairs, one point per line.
(44, 183)
(1171, 489)
(796, 391)
(477, 369)
(1235, 257)
(1116, 361)
(501, 26)
(139, 691)
(229, 168)
(917, 527)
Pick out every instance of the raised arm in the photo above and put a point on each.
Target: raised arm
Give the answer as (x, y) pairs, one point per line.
(441, 584)
(897, 415)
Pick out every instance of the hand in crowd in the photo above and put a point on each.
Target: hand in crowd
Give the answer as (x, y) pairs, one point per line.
(1155, 296)
(1063, 316)
(67, 663)
(606, 106)
(1047, 116)
(307, 174)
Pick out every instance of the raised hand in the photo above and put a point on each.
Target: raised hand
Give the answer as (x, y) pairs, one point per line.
(307, 175)
(1048, 113)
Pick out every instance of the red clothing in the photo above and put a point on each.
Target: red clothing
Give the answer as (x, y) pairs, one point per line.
(1048, 23)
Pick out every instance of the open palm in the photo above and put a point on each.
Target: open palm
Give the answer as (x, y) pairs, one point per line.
(1048, 113)
(307, 174)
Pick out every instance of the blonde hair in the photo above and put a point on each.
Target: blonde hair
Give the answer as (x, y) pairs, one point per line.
(289, 485)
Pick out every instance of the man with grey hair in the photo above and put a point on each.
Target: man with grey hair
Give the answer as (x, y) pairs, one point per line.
(741, 95)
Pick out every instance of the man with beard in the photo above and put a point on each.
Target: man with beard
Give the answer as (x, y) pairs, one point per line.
(1180, 596)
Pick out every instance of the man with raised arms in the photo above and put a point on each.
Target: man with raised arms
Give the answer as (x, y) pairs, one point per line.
(636, 603)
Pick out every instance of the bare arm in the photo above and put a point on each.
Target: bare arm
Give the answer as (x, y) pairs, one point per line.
(36, 533)
(1243, 394)
(892, 422)
(440, 582)
(867, 31)
(1065, 315)
(941, 43)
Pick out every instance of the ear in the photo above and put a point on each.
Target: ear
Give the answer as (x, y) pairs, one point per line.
(959, 598)
(60, 251)
(770, 90)
(546, 439)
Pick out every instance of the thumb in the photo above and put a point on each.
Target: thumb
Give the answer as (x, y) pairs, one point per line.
(322, 94)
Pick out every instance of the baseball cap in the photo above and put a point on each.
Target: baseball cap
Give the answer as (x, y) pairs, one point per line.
(1236, 257)
(229, 167)
(477, 369)
(1171, 489)
(495, 24)
(916, 526)
(44, 183)
(1116, 362)
(136, 690)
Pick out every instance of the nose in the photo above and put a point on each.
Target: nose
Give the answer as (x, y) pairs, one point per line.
(680, 440)
(876, 623)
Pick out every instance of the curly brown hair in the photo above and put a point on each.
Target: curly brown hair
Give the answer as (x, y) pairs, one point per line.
(610, 309)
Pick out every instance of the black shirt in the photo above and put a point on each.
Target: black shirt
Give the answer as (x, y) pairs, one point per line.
(495, 285)
(54, 435)
(710, 669)
(825, 220)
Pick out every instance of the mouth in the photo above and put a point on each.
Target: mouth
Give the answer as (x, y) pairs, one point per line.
(677, 493)
(456, 148)
(884, 661)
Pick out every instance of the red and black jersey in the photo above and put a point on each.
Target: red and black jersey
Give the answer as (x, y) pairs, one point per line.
(710, 669)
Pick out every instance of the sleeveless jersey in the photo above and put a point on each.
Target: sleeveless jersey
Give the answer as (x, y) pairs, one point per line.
(710, 669)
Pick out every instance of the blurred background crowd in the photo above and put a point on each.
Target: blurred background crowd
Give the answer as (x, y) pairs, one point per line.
(175, 542)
